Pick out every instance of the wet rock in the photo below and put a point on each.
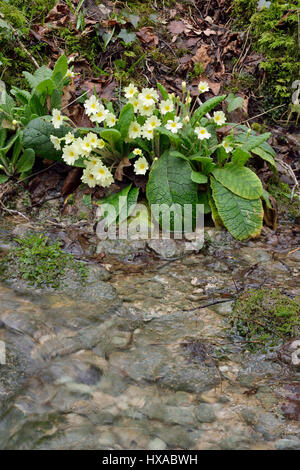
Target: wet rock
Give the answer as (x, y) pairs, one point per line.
(265, 423)
(205, 413)
(120, 248)
(223, 308)
(238, 440)
(157, 444)
(287, 444)
(171, 414)
(175, 436)
(166, 248)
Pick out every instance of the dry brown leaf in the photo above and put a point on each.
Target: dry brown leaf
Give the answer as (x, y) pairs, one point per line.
(176, 27)
(202, 56)
(147, 36)
(72, 181)
(119, 171)
(209, 32)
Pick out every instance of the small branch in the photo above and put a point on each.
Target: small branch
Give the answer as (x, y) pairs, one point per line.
(23, 47)
(11, 211)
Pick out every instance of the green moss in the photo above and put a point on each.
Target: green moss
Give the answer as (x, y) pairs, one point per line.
(242, 11)
(162, 57)
(241, 82)
(274, 33)
(20, 14)
(39, 262)
(282, 194)
(264, 318)
(12, 14)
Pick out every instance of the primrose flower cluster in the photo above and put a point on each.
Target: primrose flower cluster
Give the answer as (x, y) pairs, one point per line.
(150, 117)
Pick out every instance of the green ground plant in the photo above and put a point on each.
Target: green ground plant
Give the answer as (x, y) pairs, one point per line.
(177, 142)
(282, 193)
(21, 107)
(264, 318)
(40, 262)
(274, 32)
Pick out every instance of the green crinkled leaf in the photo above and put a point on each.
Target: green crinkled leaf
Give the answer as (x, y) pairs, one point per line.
(170, 182)
(60, 70)
(198, 177)
(175, 139)
(41, 74)
(3, 135)
(112, 136)
(3, 179)
(203, 199)
(163, 91)
(266, 197)
(265, 156)
(118, 204)
(234, 102)
(37, 137)
(214, 211)
(127, 37)
(240, 180)
(26, 161)
(206, 108)
(240, 156)
(243, 218)
(125, 119)
(255, 140)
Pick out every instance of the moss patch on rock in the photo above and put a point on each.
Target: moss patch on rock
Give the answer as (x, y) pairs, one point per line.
(39, 262)
(273, 30)
(288, 209)
(264, 318)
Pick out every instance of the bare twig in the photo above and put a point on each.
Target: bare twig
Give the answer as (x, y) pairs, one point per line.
(11, 211)
(23, 47)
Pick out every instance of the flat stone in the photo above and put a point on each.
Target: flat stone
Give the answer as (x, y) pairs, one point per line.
(157, 444)
(205, 413)
(287, 444)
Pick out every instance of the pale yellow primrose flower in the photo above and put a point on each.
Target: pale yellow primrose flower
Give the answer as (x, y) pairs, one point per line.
(141, 166)
(146, 109)
(55, 141)
(137, 151)
(186, 119)
(134, 130)
(226, 145)
(219, 118)
(175, 125)
(100, 115)
(93, 139)
(86, 145)
(110, 119)
(69, 138)
(88, 178)
(92, 105)
(70, 154)
(100, 144)
(148, 96)
(166, 106)
(130, 91)
(135, 103)
(56, 118)
(202, 133)
(92, 162)
(203, 87)
(152, 122)
(103, 175)
(147, 132)
(70, 73)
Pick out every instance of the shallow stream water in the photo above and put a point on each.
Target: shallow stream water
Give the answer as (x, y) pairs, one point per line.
(142, 357)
